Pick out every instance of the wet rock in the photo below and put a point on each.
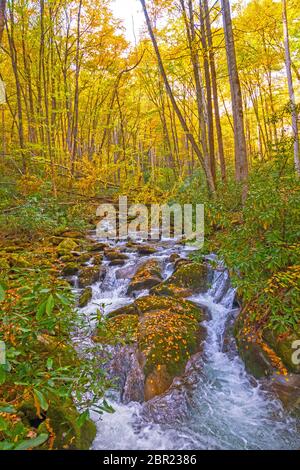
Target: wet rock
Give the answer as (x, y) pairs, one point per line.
(173, 405)
(66, 246)
(189, 278)
(113, 255)
(282, 344)
(97, 259)
(134, 384)
(84, 258)
(125, 371)
(146, 250)
(126, 272)
(70, 269)
(287, 389)
(256, 360)
(117, 262)
(157, 382)
(174, 257)
(147, 276)
(88, 276)
(85, 297)
(97, 247)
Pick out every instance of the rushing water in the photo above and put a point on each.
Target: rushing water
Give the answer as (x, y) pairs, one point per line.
(226, 408)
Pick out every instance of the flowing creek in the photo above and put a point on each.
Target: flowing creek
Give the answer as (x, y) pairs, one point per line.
(215, 404)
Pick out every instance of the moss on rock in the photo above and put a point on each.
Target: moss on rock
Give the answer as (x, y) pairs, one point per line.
(85, 297)
(88, 276)
(147, 276)
(66, 246)
(188, 278)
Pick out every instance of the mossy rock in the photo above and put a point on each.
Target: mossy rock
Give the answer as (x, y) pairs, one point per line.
(84, 258)
(68, 258)
(118, 329)
(55, 241)
(146, 277)
(166, 333)
(62, 353)
(62, 418)
(113, 255)
(66, 246)
(85, 297)
(70, 269)
(97, 247)
(146, 250)
(282, 344)
(166, 338)
(117, 262)
(189, 278)
(18, 261)
(88, 276)
(97, 259)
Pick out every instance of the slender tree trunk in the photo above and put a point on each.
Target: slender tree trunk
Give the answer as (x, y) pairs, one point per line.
(2, 18)
(14, 60)
(241, 162)
(291, 87)
(215, 91)
(210, 122)
(76, 95)
(191, 138)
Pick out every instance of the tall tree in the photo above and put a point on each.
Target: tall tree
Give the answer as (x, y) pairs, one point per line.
(291, 87)
(2, 18)
(214, 89)
(182, 120)
(241, 162)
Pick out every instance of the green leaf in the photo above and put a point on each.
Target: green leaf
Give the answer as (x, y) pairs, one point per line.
(2, 293)
(82, 418)
(3, 424)
(41, 310)
(7, 409)
(31, 443)
(41, 399)
(50, 304)
(49, 363)
(5, 445)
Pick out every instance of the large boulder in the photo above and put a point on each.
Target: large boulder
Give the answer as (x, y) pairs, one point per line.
(88, 276)
(147, 276)
(188, 278)
(165, 332)
(283, 345)
(66, 246)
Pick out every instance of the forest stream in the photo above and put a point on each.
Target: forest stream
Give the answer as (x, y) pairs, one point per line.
(215, 404)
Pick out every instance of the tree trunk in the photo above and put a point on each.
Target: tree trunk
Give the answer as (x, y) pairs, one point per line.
(210, 122)
(2, 18)
(291, 87)
(191, 138)
(241, 162)
(215, 91)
